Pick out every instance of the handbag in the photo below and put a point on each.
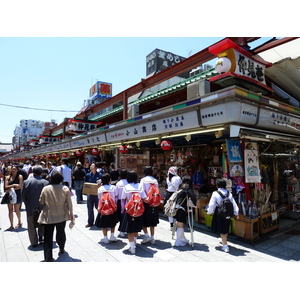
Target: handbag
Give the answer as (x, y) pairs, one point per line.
(12, 196)
(5, 199)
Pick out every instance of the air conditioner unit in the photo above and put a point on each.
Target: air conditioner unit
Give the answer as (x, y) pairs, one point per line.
(198, 89)
(133, 111)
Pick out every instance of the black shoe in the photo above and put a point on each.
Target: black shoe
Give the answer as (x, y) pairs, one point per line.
(61, 251)
(88, 225)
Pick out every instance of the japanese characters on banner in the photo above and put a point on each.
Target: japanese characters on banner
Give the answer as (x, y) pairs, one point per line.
(235, 158)
(252, 172)
(170, 124)
(79, 126)
(236, 60)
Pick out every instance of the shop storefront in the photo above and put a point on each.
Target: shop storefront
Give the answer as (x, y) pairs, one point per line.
(235, 132)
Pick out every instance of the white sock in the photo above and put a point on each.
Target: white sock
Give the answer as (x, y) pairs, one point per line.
(131, 245)
(112, 234)
(146, 234)
(179, 233)
(152, 237)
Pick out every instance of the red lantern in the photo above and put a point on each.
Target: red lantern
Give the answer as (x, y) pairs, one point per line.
(37, 157)
(123, 149)
(65, 154)
(166, 145)
(79, 153)
(49, 156)
(95, 151)
(56, 155)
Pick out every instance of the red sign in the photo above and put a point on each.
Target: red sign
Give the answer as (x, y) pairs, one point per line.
(166, 145)
(95, 151)
(79, 153)
(123, 149)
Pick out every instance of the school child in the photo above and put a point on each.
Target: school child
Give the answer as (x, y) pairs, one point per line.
(107, 221)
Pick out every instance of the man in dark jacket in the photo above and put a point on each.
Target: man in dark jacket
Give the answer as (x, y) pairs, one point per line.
(78, 177)
(32, 188)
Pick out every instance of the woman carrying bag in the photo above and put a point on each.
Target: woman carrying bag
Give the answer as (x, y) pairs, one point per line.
(14, 183)
(57, 209)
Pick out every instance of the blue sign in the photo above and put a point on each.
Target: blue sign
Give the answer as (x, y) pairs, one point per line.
(234, 151)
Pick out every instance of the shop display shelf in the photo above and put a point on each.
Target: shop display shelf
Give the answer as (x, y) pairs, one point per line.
(268, 222)
(247, 228)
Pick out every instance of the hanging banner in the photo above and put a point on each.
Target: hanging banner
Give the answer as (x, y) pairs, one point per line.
(252, 172)
(234, 151)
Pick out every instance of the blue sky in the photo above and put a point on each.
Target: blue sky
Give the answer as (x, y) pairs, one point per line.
(56, 73)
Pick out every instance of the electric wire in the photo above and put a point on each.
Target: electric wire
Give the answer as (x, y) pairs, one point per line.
(32, 108)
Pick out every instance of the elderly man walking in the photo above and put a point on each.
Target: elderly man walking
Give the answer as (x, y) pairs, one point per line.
(32, 188)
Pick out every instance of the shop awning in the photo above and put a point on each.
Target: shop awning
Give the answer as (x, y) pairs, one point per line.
(262, 135)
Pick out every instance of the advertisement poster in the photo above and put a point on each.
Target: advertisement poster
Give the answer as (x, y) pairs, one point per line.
(252, 172)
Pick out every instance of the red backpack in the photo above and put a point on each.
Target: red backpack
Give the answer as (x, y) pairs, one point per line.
(153, 196)
(107, 206)
(135, 206)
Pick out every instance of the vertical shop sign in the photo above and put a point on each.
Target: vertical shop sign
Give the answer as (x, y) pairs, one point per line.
(234, 151)
(252, 172)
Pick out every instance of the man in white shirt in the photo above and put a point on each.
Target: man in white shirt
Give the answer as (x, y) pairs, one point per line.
(66, 172)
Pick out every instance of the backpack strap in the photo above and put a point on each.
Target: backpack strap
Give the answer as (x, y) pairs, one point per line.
(222, 195)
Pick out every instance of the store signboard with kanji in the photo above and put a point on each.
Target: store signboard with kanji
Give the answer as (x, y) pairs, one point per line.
(169, 124)
(101, 90)
(234, 151)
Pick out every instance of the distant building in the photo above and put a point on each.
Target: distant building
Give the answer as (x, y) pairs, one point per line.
(26, 131)
(5, 148)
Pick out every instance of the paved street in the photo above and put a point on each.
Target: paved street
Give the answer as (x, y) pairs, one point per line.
(83, 245)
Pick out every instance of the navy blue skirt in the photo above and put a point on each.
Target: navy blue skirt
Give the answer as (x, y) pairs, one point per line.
(220, 225)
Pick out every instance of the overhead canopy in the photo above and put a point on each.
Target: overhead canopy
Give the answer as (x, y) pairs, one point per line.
(285, 71)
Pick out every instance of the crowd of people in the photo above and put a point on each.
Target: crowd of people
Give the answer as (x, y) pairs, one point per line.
(46, 192)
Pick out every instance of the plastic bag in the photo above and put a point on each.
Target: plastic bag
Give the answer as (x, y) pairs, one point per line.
(12, 196)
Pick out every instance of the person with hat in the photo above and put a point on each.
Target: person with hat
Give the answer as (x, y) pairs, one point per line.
(78, 178)
(173, 182)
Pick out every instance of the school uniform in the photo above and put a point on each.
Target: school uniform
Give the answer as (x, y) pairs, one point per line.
(150, 217)
(135, 224)
(120, 204)
(220, 225)
(181, 201)
(107, 221)
(172, 186)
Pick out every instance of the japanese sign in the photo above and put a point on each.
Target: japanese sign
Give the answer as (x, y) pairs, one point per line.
(44, 139)
(88, 141)
(78, 126)
(159, 60)
(101, 90)
(248, 67)
(165, 125)
(234, 151)
(252, 172)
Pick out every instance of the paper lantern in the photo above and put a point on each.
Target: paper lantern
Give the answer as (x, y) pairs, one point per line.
(123, 149)
(56, 155)
(65, 154)
(49, 156)
(79, 153)
(166, 145)
(95, 151)
(223, 65)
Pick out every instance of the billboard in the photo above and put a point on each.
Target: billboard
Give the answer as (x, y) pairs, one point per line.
(101, 90)
(159, 60)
